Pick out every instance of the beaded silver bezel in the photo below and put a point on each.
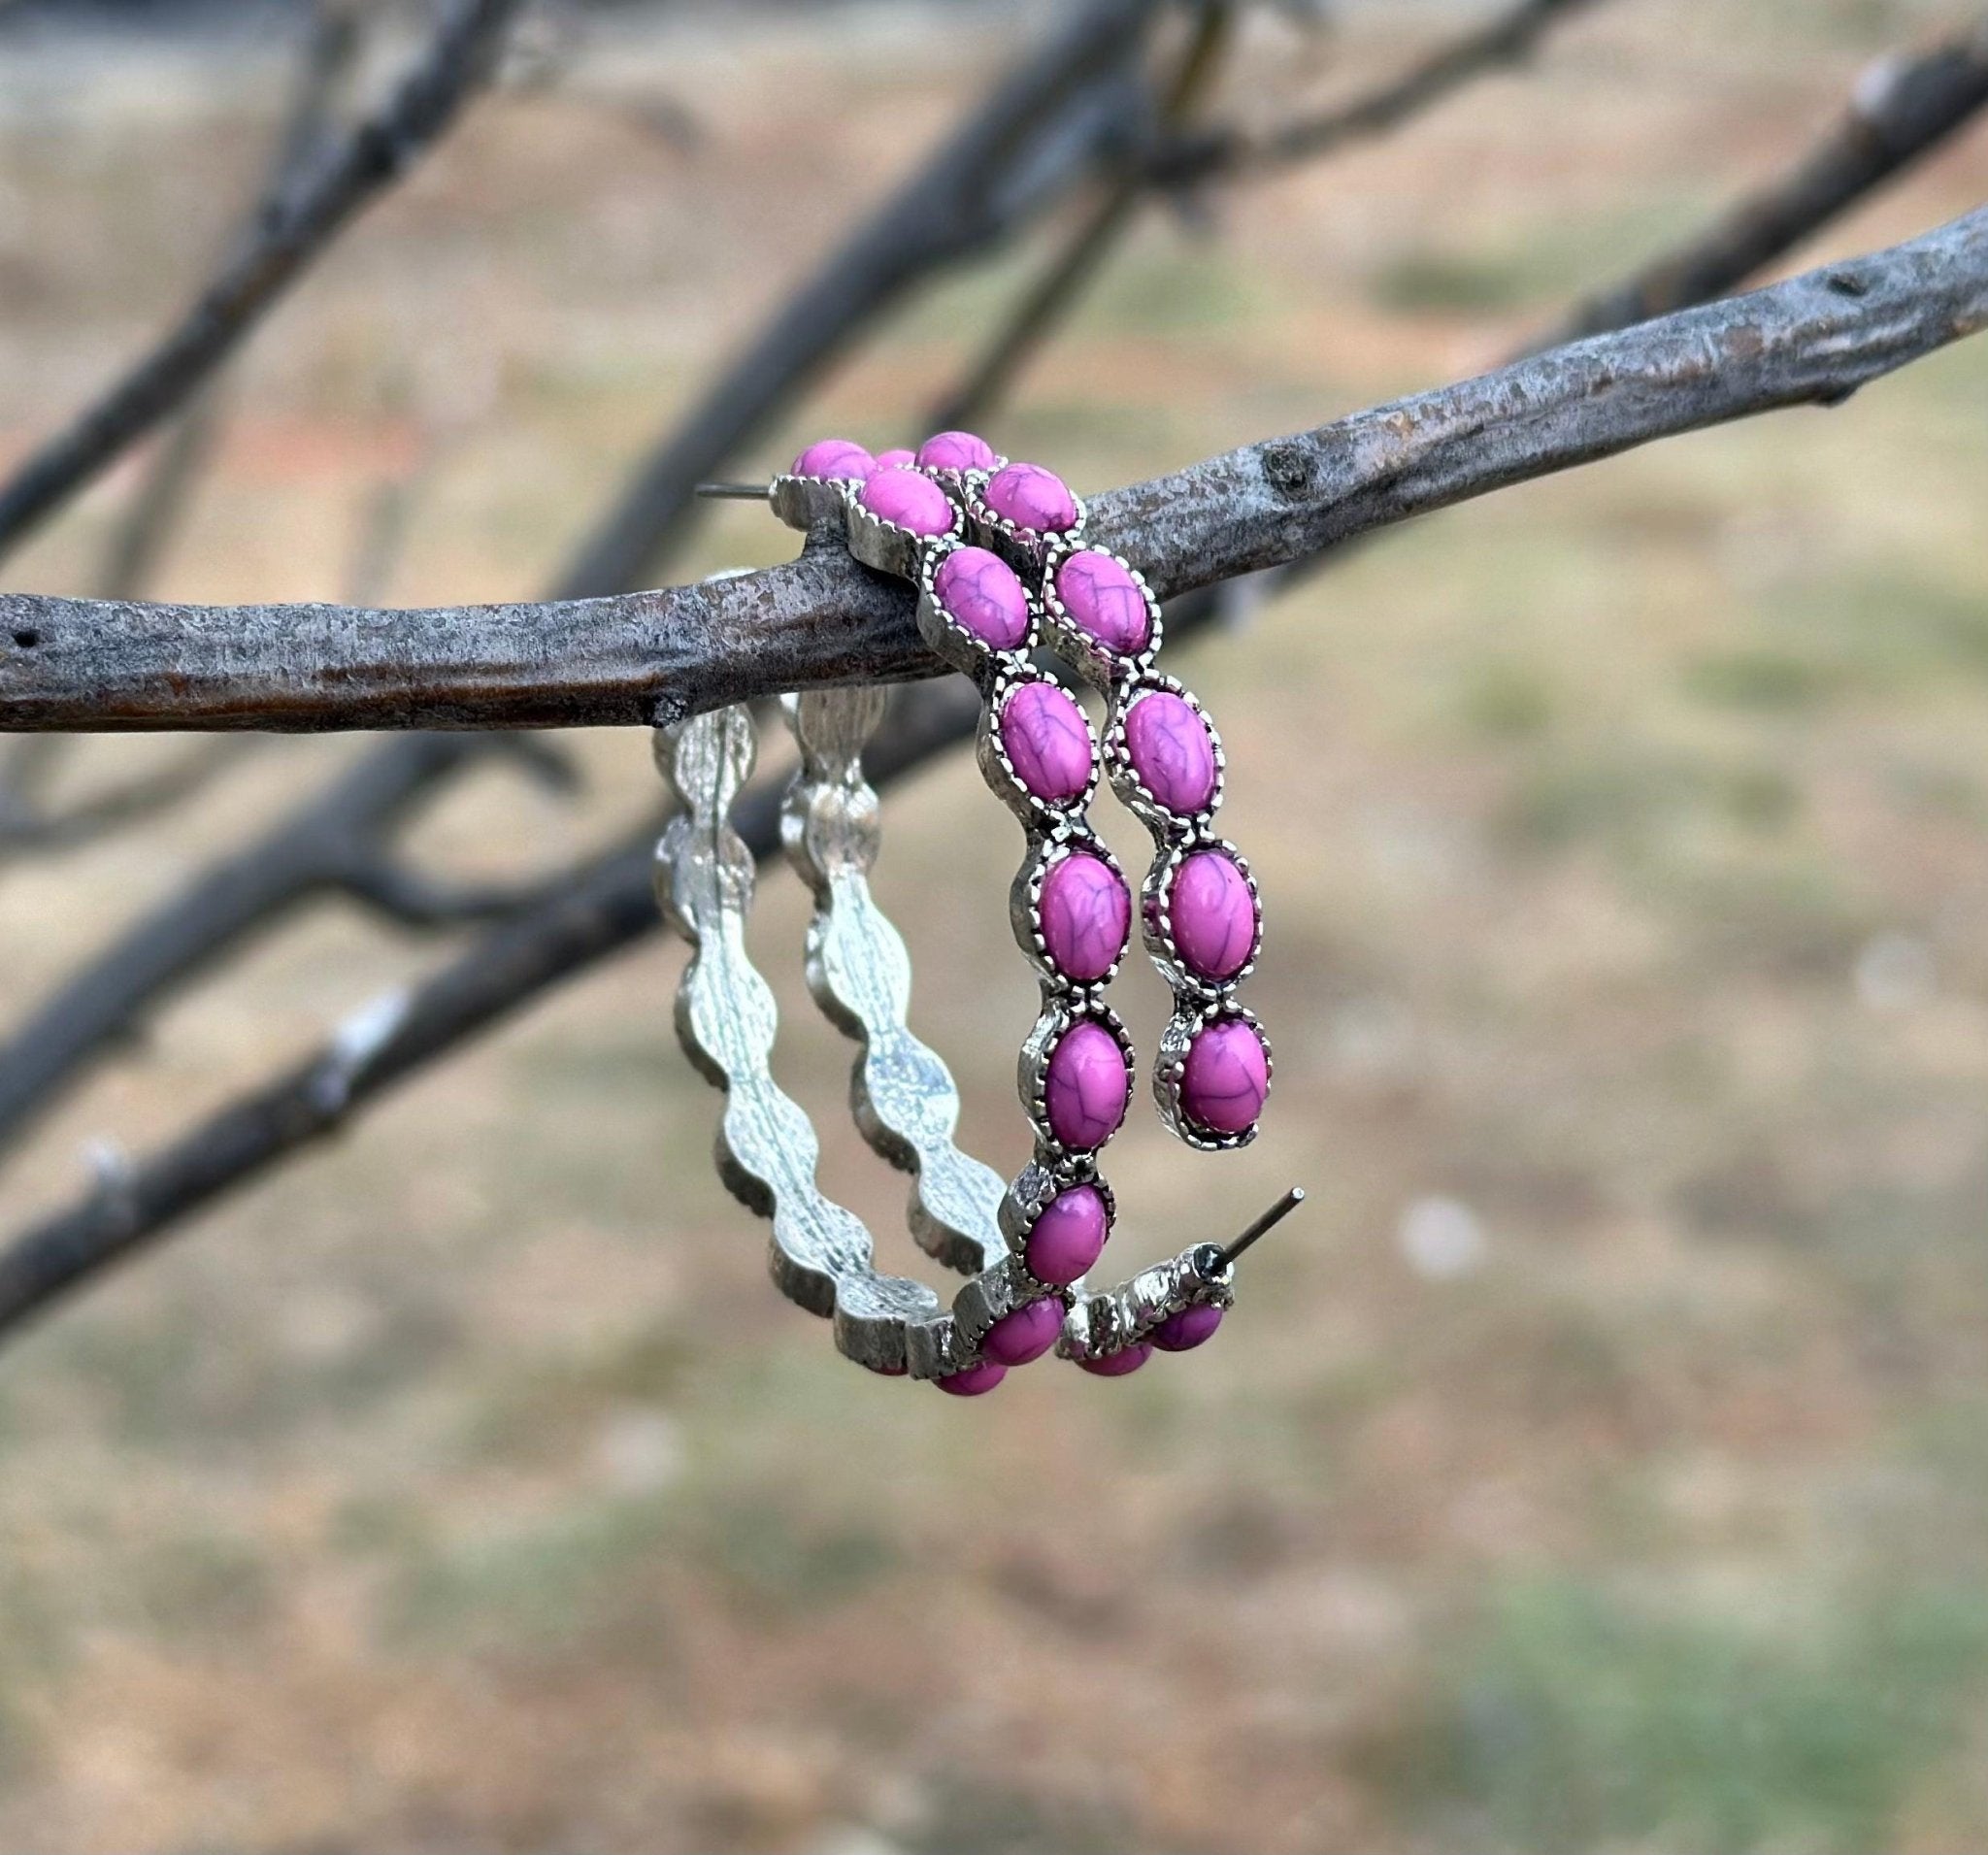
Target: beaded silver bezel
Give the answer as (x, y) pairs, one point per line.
(888, 545)
(1093, 660)
(1071, 838)
(1156, 918)
(1036, 814)
(958, 483)
(1171, 1063)
(1036, 1186)
(1161, 820)
(1060, 1016)
(962, 649)
(802, 501)
(1103, 1326)
(1023, 548)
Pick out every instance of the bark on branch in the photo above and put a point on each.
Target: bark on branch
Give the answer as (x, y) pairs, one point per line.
(820, 619)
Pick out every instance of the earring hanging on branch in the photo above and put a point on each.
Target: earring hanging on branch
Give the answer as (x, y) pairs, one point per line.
(996, 552)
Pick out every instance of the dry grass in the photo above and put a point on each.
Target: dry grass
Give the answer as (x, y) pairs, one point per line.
(1601, 1464)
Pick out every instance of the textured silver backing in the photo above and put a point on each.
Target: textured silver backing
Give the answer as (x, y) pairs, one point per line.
(726, 1020)
(860, 974)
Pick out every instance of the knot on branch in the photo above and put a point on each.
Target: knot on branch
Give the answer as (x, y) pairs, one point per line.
(1287, 468)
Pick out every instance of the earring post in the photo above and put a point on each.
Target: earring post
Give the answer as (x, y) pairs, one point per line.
(1264, 1225)
(735, 492)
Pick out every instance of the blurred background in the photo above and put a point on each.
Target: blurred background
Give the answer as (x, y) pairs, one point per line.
(1599, 1461)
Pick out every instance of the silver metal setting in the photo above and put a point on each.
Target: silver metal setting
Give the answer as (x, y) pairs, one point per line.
(949, 639)
(858, 971)
(1171, 1063)
(1036, 1184)
(905, 1102)
(725, 1017)
(1074, 838)
(959, 484)
(887, 546)
(802, 501)
(821, 1254)
(1011, 670)
(1064, 1009)
(1025, 550)
(1101, 1325)
(1102, 667)
(1156, 918)
(1166, 826)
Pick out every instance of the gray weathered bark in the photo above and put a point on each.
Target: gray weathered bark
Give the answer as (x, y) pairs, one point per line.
(821, 619)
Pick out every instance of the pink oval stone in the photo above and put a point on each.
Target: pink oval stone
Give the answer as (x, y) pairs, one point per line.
(1025, 1333)
(1190, 1328)
(1032, 497)
(979, 592)
(898, 460)
(1105, 602)
(1213, 916)
(1226, 1076)
(1048, 741)
(1087, 1086)
(1115, 1365)
(1172, 751)
(957, 450)
(972, 1381)
(830, 458)
(1086, 916)
(1069, 1236)
(908, 498)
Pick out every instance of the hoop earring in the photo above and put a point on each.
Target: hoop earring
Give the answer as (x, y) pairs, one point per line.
(1071, 903)
(821, 1254)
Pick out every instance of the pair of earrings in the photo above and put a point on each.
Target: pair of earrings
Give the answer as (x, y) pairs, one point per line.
(996, 552)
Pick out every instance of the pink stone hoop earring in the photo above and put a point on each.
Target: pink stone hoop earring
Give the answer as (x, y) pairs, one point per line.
(1026, 1247)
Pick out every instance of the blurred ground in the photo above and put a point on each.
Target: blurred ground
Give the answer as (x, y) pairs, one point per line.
(1599, 1464)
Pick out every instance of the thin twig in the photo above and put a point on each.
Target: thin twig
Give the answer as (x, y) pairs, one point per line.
(1901, 111)
(164, 499)
(1087, 246)
(1224, 154)
(821, 619)
(293, 226)
(610, 906)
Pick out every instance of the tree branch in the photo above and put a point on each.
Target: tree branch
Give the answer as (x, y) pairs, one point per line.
(159, 507)
(293, 224)
(608, 907)
(995, 154)
(419, 899)
(1902, 109)
(821, 619)
(321, 845)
